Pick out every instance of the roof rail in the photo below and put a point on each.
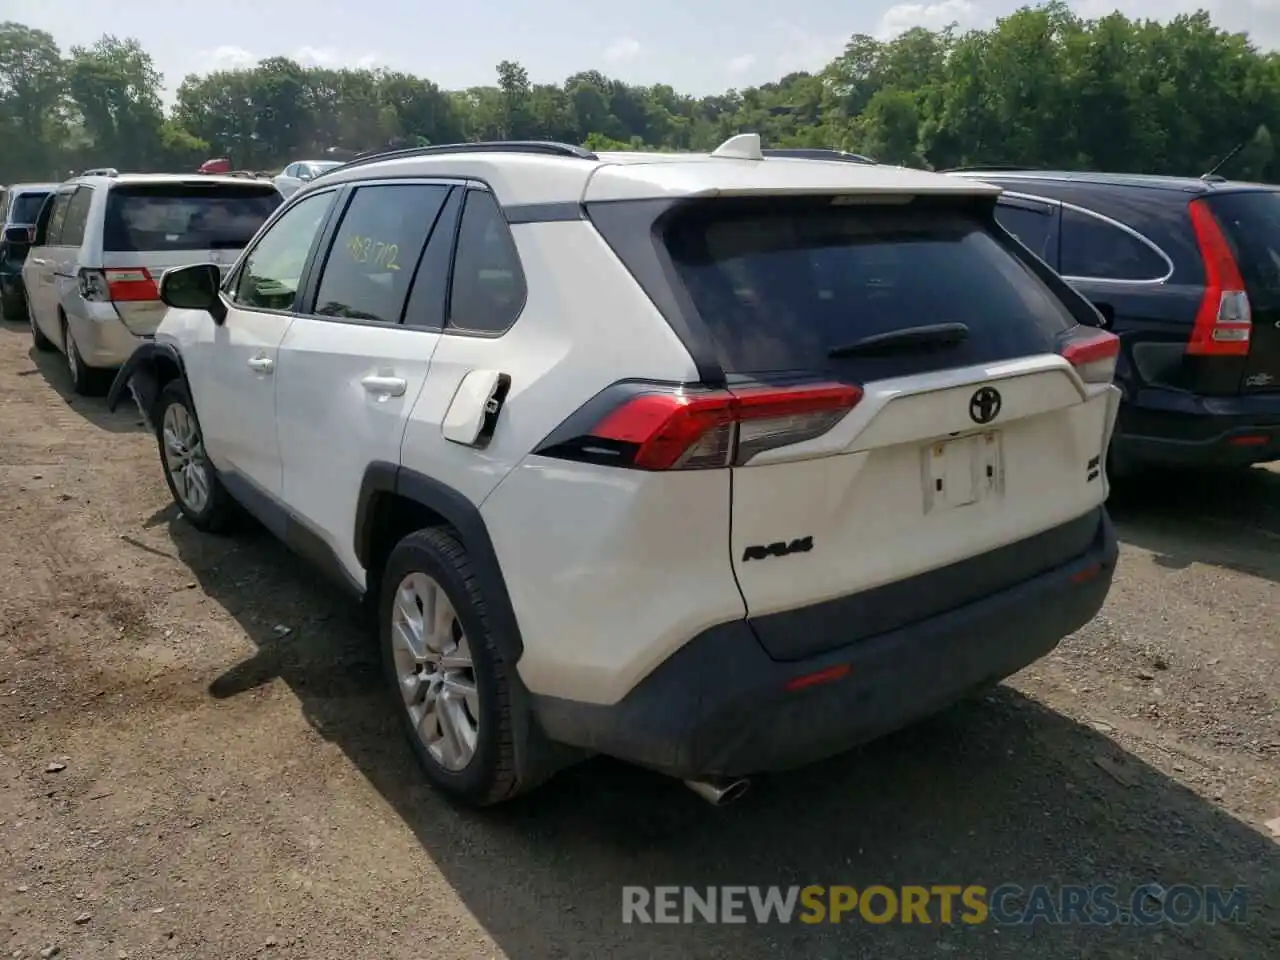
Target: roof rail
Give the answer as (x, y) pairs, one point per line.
(817, 153)
(988, 168)
(548, 147)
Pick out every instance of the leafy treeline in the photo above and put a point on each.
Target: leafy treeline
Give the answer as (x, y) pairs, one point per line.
(1043, 87)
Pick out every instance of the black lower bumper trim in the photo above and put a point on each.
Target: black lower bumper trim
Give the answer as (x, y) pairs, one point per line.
(719, 706)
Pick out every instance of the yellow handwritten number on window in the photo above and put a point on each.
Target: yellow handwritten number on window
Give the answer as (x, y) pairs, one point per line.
(374, 252)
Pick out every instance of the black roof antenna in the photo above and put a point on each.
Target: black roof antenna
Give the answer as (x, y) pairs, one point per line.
(1213, 174)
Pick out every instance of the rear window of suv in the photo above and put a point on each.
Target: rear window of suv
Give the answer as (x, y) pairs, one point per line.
(186, 216)
(26, 207)
(781, 283)
(1251, 221)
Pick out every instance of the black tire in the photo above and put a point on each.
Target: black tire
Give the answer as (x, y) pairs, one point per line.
(13, 305)
(86, 381)
(219, 513)
(38, 339)
(491, 775)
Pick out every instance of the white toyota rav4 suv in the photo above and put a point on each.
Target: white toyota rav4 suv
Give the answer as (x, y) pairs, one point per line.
(719, 464)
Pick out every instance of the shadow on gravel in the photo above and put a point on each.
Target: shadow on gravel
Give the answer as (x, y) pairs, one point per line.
(53, 367)
(992, 792)
(1229, 520)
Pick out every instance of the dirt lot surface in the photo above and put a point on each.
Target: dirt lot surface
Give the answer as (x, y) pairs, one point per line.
(196, 759)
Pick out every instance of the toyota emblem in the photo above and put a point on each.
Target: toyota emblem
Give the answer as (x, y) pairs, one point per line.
(984, 406)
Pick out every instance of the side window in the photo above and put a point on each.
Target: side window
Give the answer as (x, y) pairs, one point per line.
(488, 289)
(367, 273)
(1092, 248)
(77, 218)
(61, 201)
(272, 271)
(1030, 223)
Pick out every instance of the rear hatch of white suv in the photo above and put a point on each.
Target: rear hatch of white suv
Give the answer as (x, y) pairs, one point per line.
(152, 226)
(918, 413)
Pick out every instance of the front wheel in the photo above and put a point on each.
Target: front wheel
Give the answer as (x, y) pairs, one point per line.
(446, 673)
(192, 479)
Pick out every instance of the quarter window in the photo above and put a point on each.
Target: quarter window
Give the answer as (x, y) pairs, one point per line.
(1031, 225)
(375, 250)
(272, 272)
(53, 237)
(1095, 249)
(488, 289)
(77, 218)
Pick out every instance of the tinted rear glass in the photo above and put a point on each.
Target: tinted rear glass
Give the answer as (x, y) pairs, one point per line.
(780, 284)
(179, 216)
(26, 207)
(1251, 222)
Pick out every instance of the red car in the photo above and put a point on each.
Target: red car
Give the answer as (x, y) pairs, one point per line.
(216, 165)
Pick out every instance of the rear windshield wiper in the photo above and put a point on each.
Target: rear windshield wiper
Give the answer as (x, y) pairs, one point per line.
(929, 336)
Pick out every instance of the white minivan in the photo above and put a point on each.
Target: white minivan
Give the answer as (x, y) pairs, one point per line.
(101, 244)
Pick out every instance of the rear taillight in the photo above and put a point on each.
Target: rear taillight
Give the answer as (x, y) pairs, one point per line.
(121, 285)
(1093, 353)
(1224, 321)
(31, 234)
(673, 429)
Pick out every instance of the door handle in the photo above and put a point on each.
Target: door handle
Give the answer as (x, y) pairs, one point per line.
(261, 364)
(38, 261)
(385, 386)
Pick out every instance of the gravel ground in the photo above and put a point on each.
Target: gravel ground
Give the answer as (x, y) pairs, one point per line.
(196, 759)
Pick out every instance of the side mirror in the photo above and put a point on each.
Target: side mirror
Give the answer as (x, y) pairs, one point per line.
(20, 235)
(194, 288)
(304, 176)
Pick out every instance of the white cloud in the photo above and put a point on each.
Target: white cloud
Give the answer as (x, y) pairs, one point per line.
(622, 50)
(226, 58)
(238, 58)
(931, 16)
(803, 50)
(741, 64)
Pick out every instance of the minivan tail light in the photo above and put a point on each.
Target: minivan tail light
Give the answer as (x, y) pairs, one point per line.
(1224, 321)
(1094, 354)
(131, 284)
(674, 429)
(119, 285)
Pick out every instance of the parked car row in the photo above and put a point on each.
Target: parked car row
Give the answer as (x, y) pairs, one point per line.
(93, 256)
(718, 464)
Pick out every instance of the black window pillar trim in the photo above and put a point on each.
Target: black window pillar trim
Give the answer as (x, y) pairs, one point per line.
(633, 229)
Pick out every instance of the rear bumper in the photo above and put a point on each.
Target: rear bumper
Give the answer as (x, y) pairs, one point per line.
(1168, 427)
(103, 340)
(720, 705)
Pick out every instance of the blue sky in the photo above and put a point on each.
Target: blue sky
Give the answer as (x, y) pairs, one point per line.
(698, 46)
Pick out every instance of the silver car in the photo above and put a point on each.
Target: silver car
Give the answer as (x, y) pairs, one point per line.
(101, 244)
(293, 177)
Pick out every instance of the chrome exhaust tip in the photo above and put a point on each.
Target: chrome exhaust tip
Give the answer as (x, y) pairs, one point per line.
(718, 792)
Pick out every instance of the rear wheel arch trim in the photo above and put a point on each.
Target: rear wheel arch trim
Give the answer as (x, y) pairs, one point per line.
(142, 367)
(536, 758)
(382, 477)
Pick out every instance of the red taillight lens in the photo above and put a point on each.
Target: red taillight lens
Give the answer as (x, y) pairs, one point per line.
(1094, 354)
(1224, 321)
(131, 285)
(676, 430)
